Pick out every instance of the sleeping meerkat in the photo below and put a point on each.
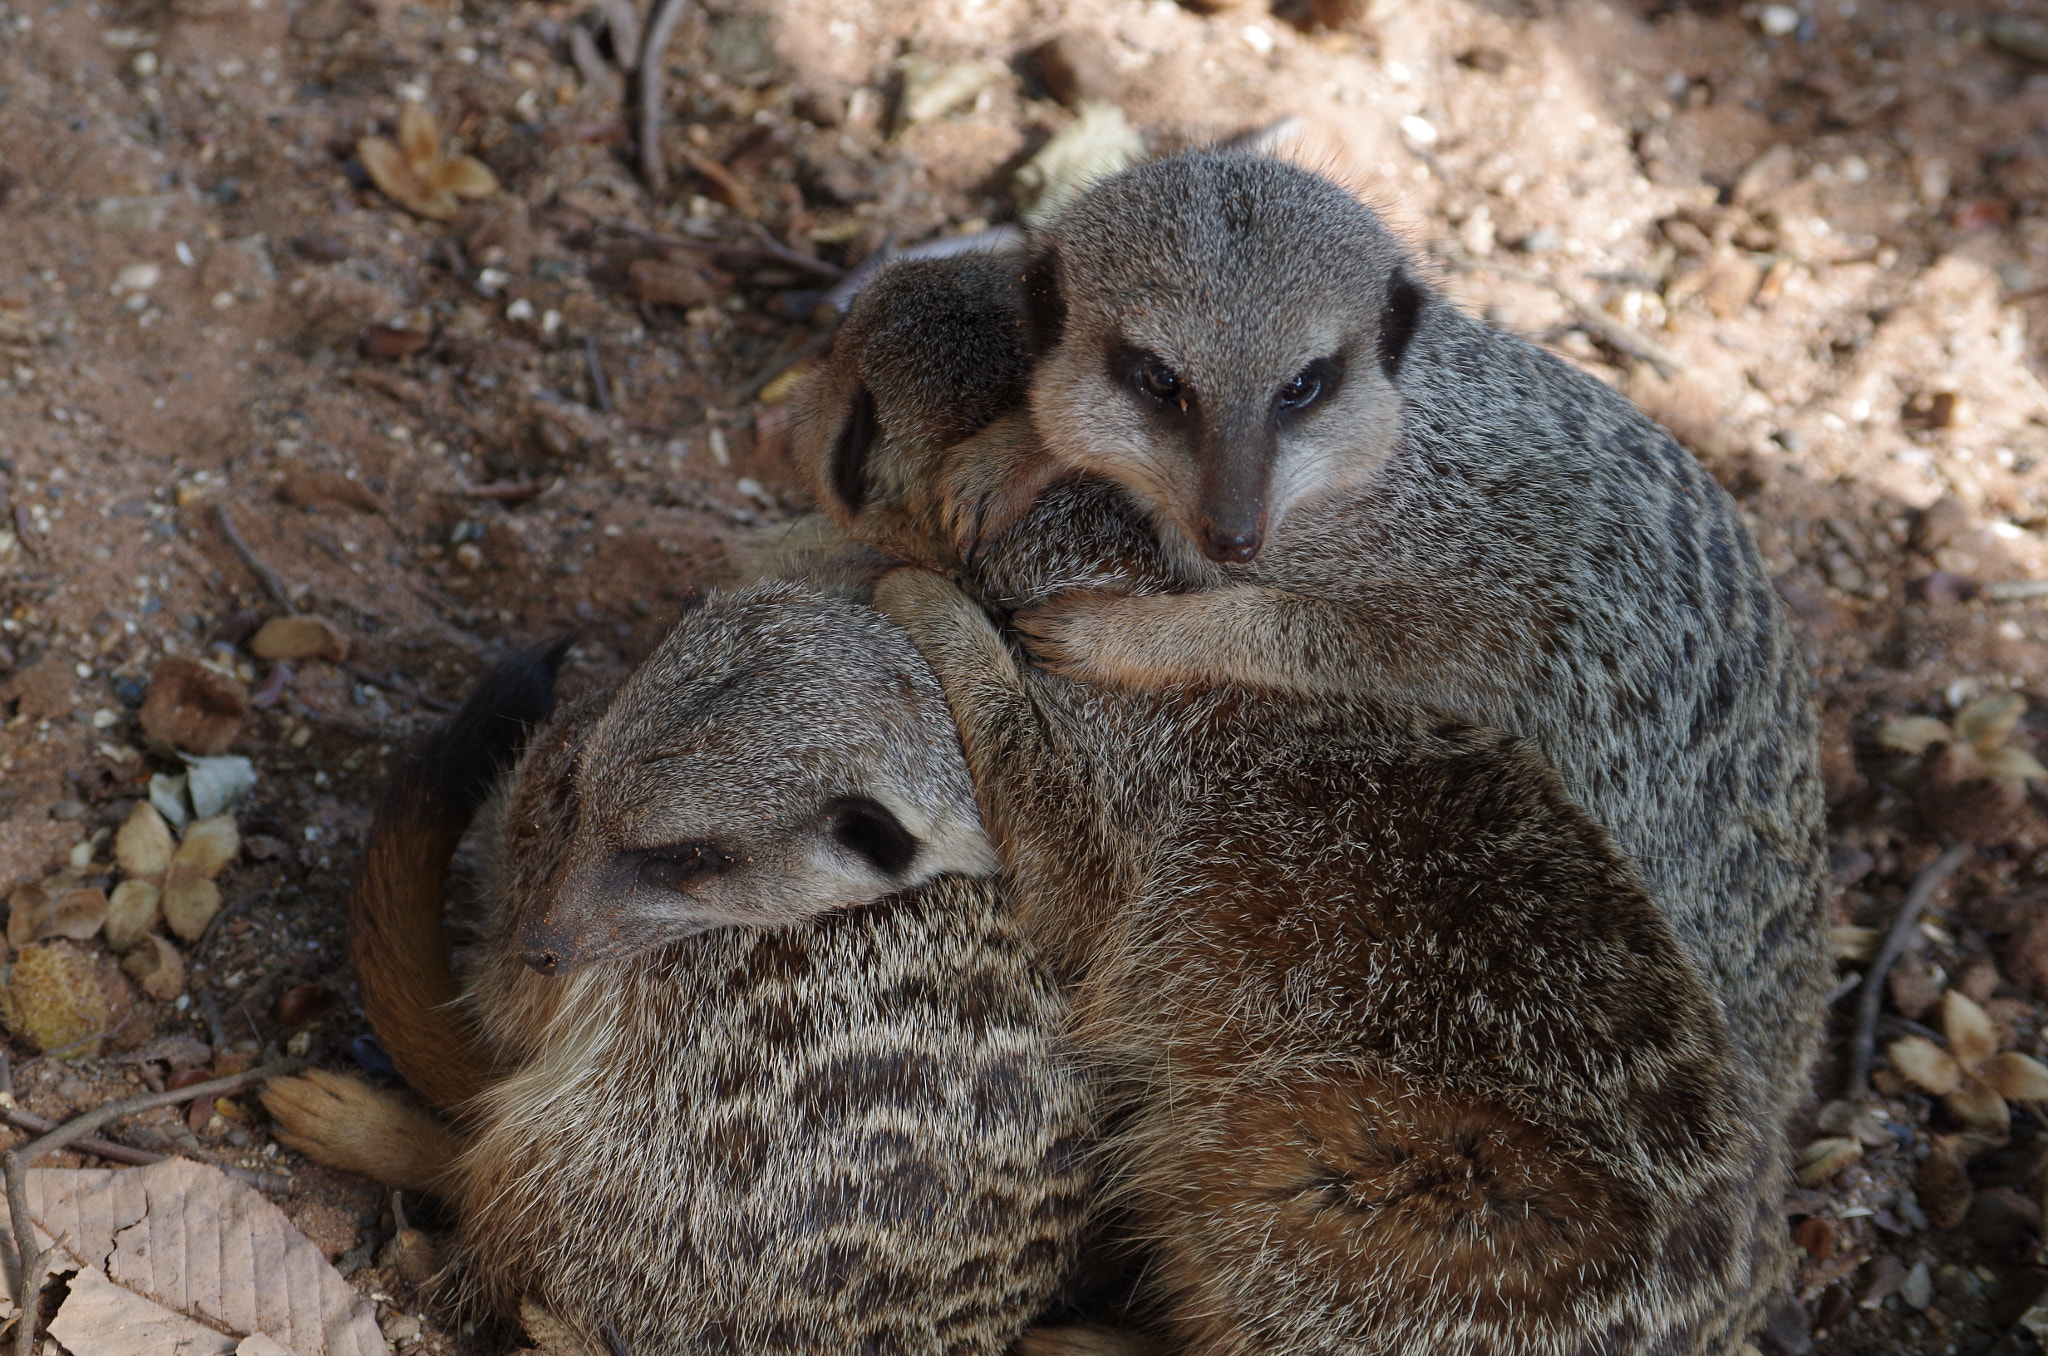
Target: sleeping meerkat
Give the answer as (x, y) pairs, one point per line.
(762, 1064)
(1356, 488)
(1403, 1059)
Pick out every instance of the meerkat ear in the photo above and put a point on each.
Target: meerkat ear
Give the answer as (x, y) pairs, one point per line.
(847, 471)
(869, 829)
(1398, 320)
(1045, 304)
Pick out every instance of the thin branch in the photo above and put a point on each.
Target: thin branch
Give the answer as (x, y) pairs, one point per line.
(264, 574)
(652, 52)
(1863, 1038)
(33, 1261)
(91, 1144)
(809, 348)
(600, 389)
(80, 1126)
(505, 491)
(770, 250)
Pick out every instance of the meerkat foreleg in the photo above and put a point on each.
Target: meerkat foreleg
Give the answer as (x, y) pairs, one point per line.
(1245, 634)
(1027, 773)
(345, 1123)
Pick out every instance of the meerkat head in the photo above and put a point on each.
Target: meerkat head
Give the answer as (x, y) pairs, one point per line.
(783, 754)
(931, 352)
(1223, 335)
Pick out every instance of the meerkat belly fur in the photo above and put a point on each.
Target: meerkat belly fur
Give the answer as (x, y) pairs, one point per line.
(1405, 1060)
(1357, 487)
(764, 1065)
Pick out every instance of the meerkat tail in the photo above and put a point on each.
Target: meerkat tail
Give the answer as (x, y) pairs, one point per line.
(394, 909)
(345, 1123)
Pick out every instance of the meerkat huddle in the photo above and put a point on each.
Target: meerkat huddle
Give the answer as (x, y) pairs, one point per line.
(1344, 849)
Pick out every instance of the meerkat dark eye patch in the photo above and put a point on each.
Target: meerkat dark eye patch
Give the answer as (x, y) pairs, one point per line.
(680, 868)
(1398, 321)
(864, 827)
(1315, 382)
(1045, 301)
(1147, 374)
(849, 469)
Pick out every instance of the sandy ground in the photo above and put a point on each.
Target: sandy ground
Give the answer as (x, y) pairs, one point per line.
(1809, 238)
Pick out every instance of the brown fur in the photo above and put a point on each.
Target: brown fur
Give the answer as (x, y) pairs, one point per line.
(851, 1129)
(1409, 1062)
(1458, 520)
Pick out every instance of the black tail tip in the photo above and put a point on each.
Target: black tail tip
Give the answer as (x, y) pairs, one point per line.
(479, 743)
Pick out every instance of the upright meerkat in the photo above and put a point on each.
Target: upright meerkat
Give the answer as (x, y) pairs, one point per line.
(1357, 488)
(762, 1064)
(1404, 1058)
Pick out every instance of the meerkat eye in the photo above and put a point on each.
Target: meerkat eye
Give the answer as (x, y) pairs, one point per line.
(1157, 380)
(1308, 386)
(679, 868)
(1301, 391)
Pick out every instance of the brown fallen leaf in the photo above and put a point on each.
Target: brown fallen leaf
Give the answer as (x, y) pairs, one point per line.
(302, 637)
(414, 173)
(144, 845)
(1973, 1081)
(192, 707)
(156, 967)
(196, 1247)
(133, 910)
(28, 908)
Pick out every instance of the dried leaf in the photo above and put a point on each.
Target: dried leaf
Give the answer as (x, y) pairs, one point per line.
(1824, 1158)
(1978, 1107)
(419, 135)
(103, 1318)
(2014, 762)
(1913, 734)
(209, 846)
(1926, 1063)
(300, 637)
(28, 908)
(189, 905)
(413, 172)
(157, 968)
(186, 1238)
(1855, 1119)
(1851, 943)
(134, 909)
(2016, 1078)
(1972, 1038)
(77, 914)
(144, 845)
(1989, 721)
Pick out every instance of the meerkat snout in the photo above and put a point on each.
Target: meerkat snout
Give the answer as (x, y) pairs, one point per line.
(687, 821)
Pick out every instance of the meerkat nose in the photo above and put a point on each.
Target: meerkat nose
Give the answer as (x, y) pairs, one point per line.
(542, 962)
(1231, 547)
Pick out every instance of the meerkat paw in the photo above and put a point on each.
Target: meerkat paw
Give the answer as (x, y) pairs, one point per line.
(989, 483)
(345, 1123)
(1096, 638)
(929, 606)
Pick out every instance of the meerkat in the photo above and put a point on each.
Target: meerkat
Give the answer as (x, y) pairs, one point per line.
(1405, 1060)
(762, 1064)
(1356, 488)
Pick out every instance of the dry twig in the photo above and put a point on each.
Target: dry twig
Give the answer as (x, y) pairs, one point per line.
(266, 576)
(1863, 1038)
(652, 53)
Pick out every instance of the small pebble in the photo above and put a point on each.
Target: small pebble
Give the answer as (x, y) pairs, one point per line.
(1418, 133)
(1917, 1290)
(138, 277)
(67, 810)
(1777, 20)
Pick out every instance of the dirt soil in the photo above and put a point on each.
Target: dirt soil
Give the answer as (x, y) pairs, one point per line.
(1810, 238)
